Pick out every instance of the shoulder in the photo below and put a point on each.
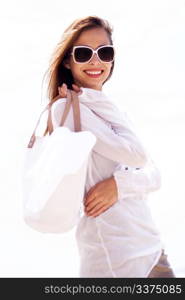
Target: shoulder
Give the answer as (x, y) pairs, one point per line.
(58, 104)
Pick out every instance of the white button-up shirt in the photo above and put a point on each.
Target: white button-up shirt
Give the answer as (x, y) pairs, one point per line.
(123, 241)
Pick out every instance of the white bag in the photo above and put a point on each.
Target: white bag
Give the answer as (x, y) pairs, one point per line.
(54, 173)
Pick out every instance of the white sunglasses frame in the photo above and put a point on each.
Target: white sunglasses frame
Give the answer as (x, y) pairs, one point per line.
(93, 52)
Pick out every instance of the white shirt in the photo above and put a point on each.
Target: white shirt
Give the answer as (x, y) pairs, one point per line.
(123, 241)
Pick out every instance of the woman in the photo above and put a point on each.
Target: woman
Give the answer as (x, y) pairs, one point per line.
(116, 235)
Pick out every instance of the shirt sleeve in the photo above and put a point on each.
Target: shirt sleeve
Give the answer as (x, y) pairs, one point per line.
(134, 180)
(118, 144)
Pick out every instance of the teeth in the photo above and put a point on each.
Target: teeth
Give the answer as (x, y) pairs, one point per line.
(93, 72)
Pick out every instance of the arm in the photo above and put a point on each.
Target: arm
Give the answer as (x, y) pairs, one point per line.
(134, 180)
(125, 182)
(118, 145)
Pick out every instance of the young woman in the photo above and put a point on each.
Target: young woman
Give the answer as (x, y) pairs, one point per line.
(116, 235)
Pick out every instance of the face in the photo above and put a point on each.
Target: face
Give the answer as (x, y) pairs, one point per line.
(93, 73)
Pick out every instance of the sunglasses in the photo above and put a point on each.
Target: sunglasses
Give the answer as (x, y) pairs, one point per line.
(83, 54)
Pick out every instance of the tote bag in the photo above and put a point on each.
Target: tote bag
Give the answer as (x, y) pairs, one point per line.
(54, 173)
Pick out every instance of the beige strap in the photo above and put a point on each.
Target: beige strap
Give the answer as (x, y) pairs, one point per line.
(71, 98)
(76, 111)
(66, 111)
(32, 139)
(49, 123)
(67, 107)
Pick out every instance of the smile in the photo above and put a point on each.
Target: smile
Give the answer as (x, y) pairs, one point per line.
(93, 73)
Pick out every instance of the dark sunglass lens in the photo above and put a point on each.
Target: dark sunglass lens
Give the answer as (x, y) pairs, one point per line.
(106, 54)
(82, 54)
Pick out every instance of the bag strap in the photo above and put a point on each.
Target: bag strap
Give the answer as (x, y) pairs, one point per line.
(33, 137)
(76, 111)
(72, 97)
(66, 111)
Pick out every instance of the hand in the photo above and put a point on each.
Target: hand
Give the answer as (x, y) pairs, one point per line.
(63, 90)
(100, 197)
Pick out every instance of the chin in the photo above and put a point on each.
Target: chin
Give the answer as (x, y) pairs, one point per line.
(93, 85)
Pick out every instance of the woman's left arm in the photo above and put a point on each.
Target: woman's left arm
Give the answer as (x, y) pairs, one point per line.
(125, 182)
(143, 180)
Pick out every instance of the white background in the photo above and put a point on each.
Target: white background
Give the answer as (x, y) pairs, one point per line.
(148, 82)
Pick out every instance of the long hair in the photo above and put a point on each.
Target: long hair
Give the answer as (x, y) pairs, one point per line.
(57, 73)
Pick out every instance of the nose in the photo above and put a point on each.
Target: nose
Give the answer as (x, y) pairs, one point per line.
(94, 60)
